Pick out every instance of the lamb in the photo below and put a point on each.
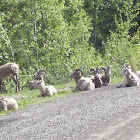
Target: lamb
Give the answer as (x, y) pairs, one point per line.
(33, 84)
(46, 90)
(82, 83)
(8, 104)
(130, 78)
(106, 77)
(97, 77)
(9, 70)
(38, 76)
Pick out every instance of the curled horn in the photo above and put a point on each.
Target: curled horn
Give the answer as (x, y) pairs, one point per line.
(92, 70)
(43, 70)
(79, 70)
(103, 68)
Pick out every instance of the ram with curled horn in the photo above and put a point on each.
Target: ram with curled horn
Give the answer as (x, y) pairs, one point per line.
(82, 83)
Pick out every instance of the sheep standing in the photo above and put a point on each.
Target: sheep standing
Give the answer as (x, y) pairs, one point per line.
(82, 83)
(8, 104)
(106, 77)
(9, 70)
(130, 78)
(97, 77)
(46, 90)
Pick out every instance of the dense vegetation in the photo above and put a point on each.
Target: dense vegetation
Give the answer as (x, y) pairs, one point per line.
(61, 35)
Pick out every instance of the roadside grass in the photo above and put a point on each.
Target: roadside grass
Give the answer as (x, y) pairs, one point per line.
(116, 80)
(27, 97)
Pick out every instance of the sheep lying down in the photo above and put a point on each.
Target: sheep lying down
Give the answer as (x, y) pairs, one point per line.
(82, 83)
(38, 76)
(8, 104)
(130, 78)
(46, 90)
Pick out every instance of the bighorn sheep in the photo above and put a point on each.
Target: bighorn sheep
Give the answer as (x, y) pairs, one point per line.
(82, 83)
(45, 90)
(106, 77)
(8, 104)
(97, 77)
(38, 76)
(9, 70)
(130, 78)
(33, 84)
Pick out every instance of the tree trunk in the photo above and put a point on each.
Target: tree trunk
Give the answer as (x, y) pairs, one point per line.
(93, 36)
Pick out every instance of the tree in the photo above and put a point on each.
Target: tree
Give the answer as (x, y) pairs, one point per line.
(122, 47)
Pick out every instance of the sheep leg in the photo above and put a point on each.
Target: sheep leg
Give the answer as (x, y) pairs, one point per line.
(1, 86)
(105, 84)
(16, 82)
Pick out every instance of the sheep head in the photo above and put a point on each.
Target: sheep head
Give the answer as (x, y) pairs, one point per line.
(77, 74)
(126, 70)
(96, 72)
(38, 74)
(2, 104)
(107, 71)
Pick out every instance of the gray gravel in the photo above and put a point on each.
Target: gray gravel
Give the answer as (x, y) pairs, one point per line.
(106, 113)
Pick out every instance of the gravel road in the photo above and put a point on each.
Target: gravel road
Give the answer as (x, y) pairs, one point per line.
(107, 113)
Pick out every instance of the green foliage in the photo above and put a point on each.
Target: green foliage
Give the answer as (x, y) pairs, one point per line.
(122, 47)
(56, 35)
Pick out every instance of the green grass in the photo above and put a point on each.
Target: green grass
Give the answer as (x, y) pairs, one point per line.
(116, 80)
(26, 97)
